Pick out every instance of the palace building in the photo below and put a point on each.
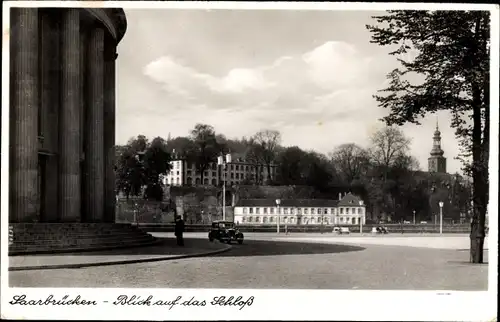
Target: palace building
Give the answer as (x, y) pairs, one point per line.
(62, 114)
(347, 210)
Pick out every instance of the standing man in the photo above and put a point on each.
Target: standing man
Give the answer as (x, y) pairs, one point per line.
(179, 231)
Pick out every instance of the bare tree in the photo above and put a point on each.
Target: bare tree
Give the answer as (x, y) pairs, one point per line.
(387, 146)
(266, 143)
(350, 161)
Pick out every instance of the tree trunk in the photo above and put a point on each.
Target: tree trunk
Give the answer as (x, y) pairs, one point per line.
(480, 182)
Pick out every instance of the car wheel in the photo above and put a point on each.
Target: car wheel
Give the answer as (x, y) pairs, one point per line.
(240, 241)
(210, 238)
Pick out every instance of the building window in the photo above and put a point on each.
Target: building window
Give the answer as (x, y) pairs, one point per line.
(346, 211)
(177, 172)
(232, 175)
(354, 221)
(319, 211)
(243, 219)
(341, 211)
(250, 219)
(246, 168)
(319, 220)
(245, 210)
(285, 211)
(271, 219)
(299, 211)
(265, 211)
(237, 176)
(312, 211)
(325, 211)
(214, 174)
(360, 211)
(257, 219)
(292, 211)
(305, 211)
(237, 168)
(271, 211)
(250, 210)
(264, 220)
(257, 210)
(332, 211)
(178, 181)
(312, 221)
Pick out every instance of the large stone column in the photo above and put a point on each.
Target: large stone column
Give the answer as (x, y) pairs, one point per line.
(49, 105)
(109, 132)
(24, 79)
(69, 162)
(94, 140)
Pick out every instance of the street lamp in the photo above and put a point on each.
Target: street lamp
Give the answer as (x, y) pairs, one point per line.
(414, 217)
(361, 218)
(441, 204)
(222, 162)
(135, 215)
(278, 202)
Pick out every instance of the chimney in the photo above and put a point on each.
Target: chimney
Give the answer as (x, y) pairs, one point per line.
(340, 195)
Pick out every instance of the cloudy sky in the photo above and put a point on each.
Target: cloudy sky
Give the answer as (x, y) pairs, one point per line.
(309, 74)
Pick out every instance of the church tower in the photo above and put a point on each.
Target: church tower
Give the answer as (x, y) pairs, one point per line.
(437, 162)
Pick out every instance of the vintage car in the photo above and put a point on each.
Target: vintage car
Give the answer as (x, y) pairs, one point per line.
(225, 231)
(341, 230)
(380, 230)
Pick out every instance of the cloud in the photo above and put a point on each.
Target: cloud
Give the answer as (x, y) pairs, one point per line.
(315, 82)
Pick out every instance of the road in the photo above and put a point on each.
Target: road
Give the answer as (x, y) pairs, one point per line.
(270, 262)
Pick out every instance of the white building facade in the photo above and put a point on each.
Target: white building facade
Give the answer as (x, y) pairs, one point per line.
(237, 172)
(349, 210)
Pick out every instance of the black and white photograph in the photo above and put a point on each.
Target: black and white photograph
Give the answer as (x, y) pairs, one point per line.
(228, 152)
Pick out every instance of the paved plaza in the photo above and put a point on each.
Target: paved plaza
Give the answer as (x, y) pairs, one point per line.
(300, 261)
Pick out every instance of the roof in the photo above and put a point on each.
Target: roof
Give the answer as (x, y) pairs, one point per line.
(306, 203)
(349, 200)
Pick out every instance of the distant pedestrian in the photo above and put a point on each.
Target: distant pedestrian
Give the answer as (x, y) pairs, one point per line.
(286, 229)
(179, 231)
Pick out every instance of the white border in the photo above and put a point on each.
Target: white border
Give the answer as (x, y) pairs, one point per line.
(268, 304)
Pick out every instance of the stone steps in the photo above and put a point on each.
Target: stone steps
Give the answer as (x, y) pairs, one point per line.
(83, 241)
(58, 238)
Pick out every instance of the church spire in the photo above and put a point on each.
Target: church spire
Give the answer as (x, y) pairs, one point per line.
(437, 161)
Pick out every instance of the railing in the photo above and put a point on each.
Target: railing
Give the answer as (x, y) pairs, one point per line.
(393, 229)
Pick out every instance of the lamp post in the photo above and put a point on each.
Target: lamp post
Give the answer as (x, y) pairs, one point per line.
(414, 217)
(361, 218)
(441, 204)
(135, 214)
(322, 218)
(278, 202)
(222, 162)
